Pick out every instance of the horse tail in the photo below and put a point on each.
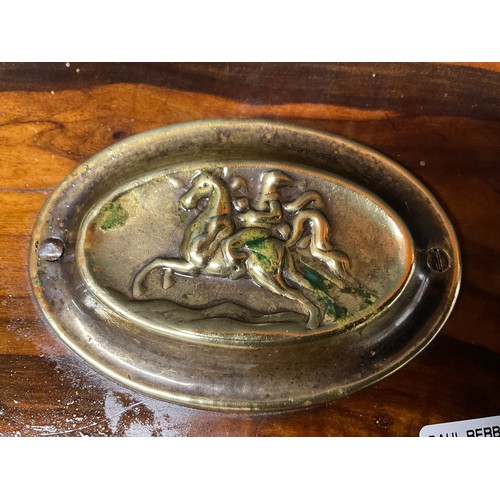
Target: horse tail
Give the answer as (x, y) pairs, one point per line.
(320, 245)
(303, 200)
(320, 229)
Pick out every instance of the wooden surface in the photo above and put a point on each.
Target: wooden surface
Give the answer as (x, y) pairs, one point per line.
(441, 121)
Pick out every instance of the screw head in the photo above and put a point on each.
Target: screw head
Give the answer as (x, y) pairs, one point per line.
(51, 249)
(438, 260)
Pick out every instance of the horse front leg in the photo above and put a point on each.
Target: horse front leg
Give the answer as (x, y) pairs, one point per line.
(170, 266)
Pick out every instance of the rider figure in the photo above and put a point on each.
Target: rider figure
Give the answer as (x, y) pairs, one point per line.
(268, 213)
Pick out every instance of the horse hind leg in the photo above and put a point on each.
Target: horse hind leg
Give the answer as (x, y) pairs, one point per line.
(275, 283)
(292, 274)
(170, 266)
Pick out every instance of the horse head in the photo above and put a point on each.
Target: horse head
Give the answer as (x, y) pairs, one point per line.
(207, 185)
(201, 187)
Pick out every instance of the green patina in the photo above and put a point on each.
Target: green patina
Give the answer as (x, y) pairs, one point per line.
(320, 285)
(183, 215)
(367, 297)
(316, 279)
(329, 305)
(257, 244)
(264, 252)
(112, 215)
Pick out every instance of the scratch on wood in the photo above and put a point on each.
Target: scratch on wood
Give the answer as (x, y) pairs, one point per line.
(264, 418)
(97, 422)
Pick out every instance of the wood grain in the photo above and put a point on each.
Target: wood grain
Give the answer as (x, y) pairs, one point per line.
(441, 121)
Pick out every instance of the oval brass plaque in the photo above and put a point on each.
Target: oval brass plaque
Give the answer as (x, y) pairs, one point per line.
(241, 264)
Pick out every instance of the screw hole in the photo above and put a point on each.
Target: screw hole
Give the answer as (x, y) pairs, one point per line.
(50, 249)
(438, 260)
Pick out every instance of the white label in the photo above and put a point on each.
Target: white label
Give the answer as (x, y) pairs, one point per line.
(478, 427)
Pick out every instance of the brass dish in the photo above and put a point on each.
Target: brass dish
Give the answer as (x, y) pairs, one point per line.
(244, 264)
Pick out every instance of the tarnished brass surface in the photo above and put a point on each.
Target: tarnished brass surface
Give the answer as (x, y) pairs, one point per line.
(242, 264)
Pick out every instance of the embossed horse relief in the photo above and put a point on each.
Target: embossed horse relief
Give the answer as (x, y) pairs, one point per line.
(282, 241)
